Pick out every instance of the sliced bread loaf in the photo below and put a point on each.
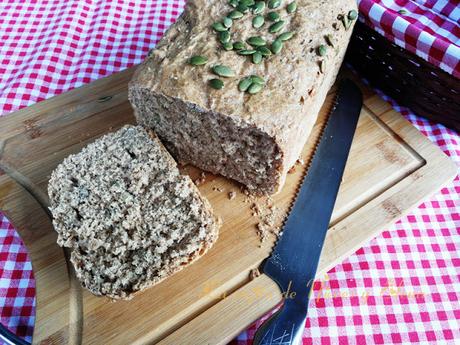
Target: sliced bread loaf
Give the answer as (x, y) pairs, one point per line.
(128, 216)
(256, 136)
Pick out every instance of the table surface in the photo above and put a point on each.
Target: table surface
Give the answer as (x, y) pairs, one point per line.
(402, 287)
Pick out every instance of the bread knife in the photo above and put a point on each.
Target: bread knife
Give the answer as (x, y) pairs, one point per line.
(294, 260)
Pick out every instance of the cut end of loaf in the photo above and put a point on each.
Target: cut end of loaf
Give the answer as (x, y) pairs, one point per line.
(212, 141)
(128, 216)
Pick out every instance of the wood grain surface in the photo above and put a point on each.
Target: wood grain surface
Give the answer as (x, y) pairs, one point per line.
(391, 168)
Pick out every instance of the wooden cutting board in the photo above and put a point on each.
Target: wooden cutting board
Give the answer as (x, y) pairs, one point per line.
(391, 168)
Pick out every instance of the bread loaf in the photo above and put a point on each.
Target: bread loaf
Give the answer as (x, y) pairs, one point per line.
(129, 218)
(252, 138)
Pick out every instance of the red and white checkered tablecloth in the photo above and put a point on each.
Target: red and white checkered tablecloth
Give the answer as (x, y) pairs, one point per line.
(402, 287)
(428, 28)
(17, 284)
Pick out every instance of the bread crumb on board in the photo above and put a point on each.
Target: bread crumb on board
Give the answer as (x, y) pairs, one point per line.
(254, 273)
(267, 214)
(300, 161)
(200, 180)
(217, 189)
(231, 195)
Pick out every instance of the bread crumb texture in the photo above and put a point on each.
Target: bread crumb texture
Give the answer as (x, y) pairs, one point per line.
(128, 216)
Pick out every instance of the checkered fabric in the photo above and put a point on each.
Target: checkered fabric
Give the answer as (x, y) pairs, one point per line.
(428, 28)
(50, 46)
(402, 287)
(17, 285)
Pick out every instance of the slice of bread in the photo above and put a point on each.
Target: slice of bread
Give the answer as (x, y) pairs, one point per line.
(128, 216)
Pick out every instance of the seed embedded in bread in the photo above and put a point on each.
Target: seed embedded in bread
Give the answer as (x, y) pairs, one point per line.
(128, 216)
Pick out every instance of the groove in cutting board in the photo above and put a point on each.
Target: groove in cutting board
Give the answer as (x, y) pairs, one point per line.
(391, 168)
(408, 164)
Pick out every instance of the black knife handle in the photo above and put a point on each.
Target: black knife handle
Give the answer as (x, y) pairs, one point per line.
(283, 327)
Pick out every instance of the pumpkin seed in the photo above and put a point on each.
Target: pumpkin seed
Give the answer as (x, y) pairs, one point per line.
(258, 21)
(258, 80)
(352, 15)
(216, 84)
(292, 7)
(259, 7)
(224, 37)
(256, 41)
(233, 3)
(346, 23)
(286, 36)
(274, 4)
(252, 84)
(264, 51)
(219, 27)
(223, 71)
(227, 46)
(242, 8)
(257, 58)
(329, 40)
(322, 66)
(246, 52)
(235, 14)
(255, 88)
(322, 50)
(276, 47)
(244, 84)
(227, 22)
(238, 45)
(198, 60)
(273, 16)
(247, 3)
(276, 27)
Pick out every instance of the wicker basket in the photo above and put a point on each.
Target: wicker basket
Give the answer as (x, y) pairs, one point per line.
(408, 79)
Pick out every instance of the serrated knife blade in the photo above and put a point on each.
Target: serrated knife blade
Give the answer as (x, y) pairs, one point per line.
(294, 260)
